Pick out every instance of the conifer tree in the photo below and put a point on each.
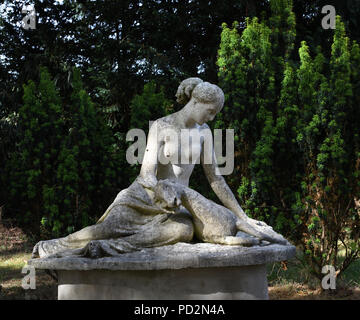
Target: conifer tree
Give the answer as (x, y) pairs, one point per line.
(64, 172)
(246, 76)
(282, 24)
(86, 170)
(330, 185)
(287, 158)
(297, 134)
(355, 80)
(32, 168)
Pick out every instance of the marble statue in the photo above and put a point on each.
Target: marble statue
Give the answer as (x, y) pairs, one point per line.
(159, 208)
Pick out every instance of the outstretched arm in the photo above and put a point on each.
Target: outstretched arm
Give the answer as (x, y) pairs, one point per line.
(218, 183)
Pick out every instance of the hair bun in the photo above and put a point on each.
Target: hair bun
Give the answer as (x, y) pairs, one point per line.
(185, 89)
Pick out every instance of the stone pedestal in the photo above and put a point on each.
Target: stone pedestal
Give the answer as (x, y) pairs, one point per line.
(203, 283)
(181, 271)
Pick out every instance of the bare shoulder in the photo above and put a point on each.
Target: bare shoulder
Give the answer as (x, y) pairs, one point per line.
(166, 121)
(161, 126)
(158, 124)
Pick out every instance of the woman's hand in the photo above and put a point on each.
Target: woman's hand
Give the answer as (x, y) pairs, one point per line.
(260, 230)
(168, 194)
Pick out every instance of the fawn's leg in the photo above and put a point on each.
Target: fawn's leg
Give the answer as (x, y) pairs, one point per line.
(213, 223)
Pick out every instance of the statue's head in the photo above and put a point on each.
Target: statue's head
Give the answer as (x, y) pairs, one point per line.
(206, 99)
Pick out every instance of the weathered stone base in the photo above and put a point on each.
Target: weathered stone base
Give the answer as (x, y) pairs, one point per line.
(245, 283)
(181, 271)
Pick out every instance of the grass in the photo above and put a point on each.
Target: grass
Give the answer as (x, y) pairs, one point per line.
(15, 250)
(292, 283)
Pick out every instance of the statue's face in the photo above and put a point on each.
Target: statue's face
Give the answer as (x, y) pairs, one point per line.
(205, 112)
